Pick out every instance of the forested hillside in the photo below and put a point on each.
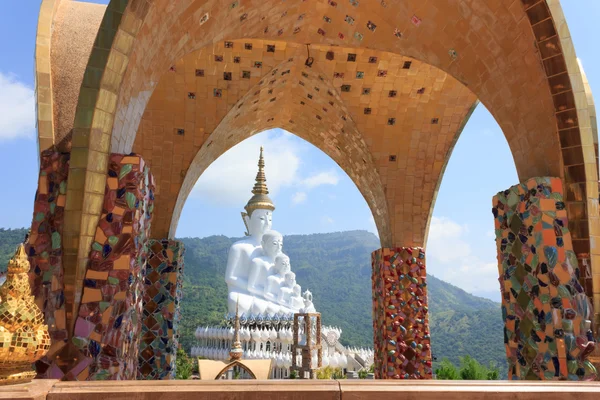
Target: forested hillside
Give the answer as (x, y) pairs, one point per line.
(336, 268)
(9, 239)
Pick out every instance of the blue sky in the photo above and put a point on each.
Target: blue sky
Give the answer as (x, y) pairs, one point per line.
(310, 191)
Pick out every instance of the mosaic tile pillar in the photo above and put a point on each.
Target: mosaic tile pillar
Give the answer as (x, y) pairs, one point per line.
(162, 295)
(108, 326)
(545, 309)
(400, 314)
(44, 249)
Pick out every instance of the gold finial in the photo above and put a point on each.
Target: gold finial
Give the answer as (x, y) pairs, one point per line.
(20, 262)
(24, 337)
(260, 200)
(236, 351)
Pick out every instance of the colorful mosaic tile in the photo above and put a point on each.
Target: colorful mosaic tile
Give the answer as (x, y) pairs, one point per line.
(107, 330)
(400, 314)
(545, 309)
(44, 249)
(162, 294)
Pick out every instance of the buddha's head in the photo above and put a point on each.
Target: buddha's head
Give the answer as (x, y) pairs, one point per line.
(290, 279)
(272, 243)
(259, 222)
(282, 264)
(259, 210)
(307, 296)
(296, 290)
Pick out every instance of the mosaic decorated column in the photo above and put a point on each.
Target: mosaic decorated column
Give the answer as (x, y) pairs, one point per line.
(108, 326)
(44, 248)
(545, 309)
(400, 314)
(162, 295)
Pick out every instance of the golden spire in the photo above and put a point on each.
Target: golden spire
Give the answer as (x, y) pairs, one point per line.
(236, 351)
(24, 337)
(260, 200)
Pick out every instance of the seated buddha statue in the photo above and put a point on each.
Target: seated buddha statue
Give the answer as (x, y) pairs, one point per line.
(308, 304)
(296, 300)
(24, 337)
(258, 275)
(287, 289)
(281, 267)
(258, 220)
(260, 268)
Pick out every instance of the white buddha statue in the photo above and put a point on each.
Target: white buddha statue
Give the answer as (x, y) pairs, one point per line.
(258, 220)
(287, 289)
(274, 282)
(296, 301)
(308, 304)
(258, 274)
(261, 267)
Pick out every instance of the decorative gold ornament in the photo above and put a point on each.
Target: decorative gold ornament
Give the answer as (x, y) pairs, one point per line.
(260, 200)
(236, 352)
(24, 337)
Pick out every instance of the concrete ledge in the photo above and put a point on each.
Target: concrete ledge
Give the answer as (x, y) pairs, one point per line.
(36, 390)
(467, 390)
(196, 390)
(297, 389)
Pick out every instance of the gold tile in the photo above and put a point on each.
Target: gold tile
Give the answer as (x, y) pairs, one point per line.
(74, 202)
(95, 183)
(98, 162)
(79, 159)
(92, 203)
(107, 101)
(123, 42)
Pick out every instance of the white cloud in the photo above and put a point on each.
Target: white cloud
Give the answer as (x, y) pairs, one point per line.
(451, 258)
(17, 109)
(446, 242)
(327, 220)
(299, 197)
(322, 178)
(228, 181)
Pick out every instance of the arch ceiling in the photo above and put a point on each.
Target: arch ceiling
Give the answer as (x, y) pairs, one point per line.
(390, 127)
(487, 54)
(515, 57)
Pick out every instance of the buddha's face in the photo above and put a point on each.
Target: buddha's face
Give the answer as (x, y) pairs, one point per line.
(297, 290)
(272, 245)
(290, 280)
(282, 265)
(260, 222)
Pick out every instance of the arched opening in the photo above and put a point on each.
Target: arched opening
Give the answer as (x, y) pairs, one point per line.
(317, 207)
(461, 247)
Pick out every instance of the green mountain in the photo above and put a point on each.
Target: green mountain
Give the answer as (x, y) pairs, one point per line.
(336, 268)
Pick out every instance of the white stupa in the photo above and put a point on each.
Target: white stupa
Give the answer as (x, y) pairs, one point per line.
(260, 282)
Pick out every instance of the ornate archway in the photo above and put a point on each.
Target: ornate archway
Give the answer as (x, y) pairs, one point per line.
(388, 92)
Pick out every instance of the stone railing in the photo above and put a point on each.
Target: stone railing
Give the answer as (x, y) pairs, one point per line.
(301, 389)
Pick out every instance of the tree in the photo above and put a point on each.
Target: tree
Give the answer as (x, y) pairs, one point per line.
(183, 365)
(446, 371)
(330, 373)
(470, 369)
